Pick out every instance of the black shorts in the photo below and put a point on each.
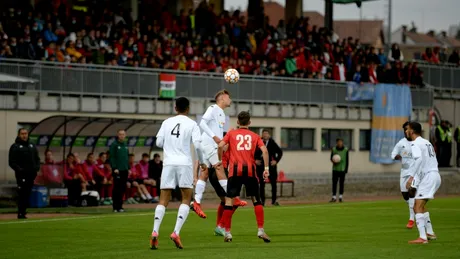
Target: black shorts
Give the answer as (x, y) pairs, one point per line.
(215, 182)
(235, 183)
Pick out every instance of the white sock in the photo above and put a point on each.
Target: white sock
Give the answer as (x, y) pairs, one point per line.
(340, 196)
(199, 190)
(181, 217)
(149, 197)
(223, 183)
(159, 213)
(420, 220)
(260, 231)
(428, 226)
(411, 202)
(143, 196)
(334, 197)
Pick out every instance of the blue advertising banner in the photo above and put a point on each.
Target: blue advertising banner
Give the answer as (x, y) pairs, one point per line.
(360, 92)
(392, 107)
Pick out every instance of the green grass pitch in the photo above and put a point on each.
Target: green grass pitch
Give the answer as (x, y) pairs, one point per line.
(348, 230)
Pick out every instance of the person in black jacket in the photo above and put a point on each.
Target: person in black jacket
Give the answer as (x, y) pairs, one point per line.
(24, 160)
(275, 154)
(155, 169)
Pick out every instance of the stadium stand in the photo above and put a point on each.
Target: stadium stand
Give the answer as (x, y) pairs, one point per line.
(197, 40)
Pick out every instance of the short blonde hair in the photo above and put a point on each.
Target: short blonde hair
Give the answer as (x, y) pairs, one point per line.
(220, 93)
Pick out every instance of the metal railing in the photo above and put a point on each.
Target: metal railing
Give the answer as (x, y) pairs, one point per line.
(441, 76)
(96, 80)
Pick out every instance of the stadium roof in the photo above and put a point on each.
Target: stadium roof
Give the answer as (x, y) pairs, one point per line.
(92, 132)
(358, 2)
(6, 78)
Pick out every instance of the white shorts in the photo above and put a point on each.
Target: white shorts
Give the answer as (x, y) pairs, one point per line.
(177, 175)
(403, 182)
(210, 155)
(428, 186)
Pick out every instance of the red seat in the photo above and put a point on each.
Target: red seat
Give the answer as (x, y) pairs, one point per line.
(282, 179)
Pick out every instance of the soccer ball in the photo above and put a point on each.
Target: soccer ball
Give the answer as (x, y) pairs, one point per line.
(231, 76)
(336, 158)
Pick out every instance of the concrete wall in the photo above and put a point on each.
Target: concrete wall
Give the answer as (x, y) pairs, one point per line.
(293, 161)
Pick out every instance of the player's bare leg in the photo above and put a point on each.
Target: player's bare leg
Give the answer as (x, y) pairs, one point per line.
(199, 190)
(423, 223)
(160, 210)
(181, 216)
(260, 218)
(220, 172)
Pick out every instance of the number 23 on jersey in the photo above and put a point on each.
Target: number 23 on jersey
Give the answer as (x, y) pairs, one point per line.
(244, 142)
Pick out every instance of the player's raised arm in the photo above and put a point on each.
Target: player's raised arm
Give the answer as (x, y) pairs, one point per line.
(160, 137)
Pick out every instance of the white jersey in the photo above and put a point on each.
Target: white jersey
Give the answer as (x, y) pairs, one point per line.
(212, 124)
(175, 137)
(403, 148)
(424, 159)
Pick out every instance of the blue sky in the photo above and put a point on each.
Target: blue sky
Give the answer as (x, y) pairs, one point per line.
(427, 14)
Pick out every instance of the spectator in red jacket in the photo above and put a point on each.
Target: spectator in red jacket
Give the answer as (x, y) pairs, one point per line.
(339, 71)
(372, 71)
(93, 175)
(430, 57)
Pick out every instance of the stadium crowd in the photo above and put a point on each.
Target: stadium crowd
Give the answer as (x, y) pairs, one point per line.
(198, 40)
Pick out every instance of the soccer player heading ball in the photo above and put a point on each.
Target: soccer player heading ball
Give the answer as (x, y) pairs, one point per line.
(242, 144)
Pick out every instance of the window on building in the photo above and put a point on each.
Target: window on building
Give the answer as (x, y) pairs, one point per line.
(364, 139)
(258, 130)
(329, 137)
(301, 139)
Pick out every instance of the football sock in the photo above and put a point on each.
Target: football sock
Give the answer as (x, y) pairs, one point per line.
(334, 197)
(227, 217)
(149, 197)
(199, 190)
(221, 222)
(220, 212)
(428, 226)
(159, 214)
(223, 183)
(143, 196)
(181, 217)
(259, 211)
(340, 196)
(420, 220)
(102, 192)
(411, 202)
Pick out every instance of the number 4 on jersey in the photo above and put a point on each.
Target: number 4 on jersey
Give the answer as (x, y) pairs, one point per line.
(176, 130)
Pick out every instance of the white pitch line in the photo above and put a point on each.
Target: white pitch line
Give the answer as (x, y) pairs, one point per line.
(74, 218)
(174, 212)
(144, 214)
